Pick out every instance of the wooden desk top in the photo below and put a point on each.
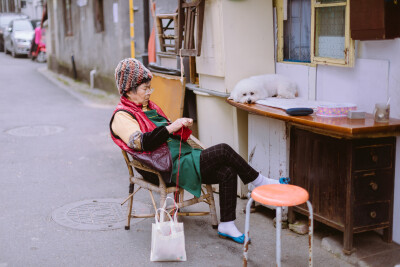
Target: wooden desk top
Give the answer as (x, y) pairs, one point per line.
(337, 127)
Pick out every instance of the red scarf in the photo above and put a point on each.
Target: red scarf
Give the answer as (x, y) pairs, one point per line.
(144, 123)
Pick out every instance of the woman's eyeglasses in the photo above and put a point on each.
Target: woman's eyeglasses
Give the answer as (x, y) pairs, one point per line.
(149, 90)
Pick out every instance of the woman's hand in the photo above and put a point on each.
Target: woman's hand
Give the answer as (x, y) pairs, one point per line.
(178, 124)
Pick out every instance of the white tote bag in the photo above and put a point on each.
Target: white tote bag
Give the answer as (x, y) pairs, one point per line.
(167, 238)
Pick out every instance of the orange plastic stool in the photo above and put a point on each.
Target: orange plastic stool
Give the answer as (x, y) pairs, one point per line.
(278, 195)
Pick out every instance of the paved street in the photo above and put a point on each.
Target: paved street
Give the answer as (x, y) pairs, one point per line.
(55, 150)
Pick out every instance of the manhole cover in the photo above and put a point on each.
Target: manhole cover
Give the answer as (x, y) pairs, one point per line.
(40, 130)
(100, 214)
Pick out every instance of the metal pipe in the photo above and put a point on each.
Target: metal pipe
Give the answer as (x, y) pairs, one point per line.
(92, 74)
(246, 232)
(73, 67)
(310, 233)
(196, 89)
(278, 235)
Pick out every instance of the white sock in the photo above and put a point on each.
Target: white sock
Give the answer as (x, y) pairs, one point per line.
(262, 180)
(229, 228)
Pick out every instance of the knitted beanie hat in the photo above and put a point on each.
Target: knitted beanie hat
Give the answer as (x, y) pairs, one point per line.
(130, 73)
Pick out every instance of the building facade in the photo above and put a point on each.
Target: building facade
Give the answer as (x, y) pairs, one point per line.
(92, 35)
(32, 8)
(242, 39)
(9, 6)
(308, 42)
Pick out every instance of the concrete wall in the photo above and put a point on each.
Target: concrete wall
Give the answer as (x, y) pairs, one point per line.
(91, 50)
(34, 9)
(374, 78)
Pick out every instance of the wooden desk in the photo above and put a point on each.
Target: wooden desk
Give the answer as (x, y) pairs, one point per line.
(346, 165)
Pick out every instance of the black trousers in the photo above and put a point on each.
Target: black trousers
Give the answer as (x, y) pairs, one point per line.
(220, 164)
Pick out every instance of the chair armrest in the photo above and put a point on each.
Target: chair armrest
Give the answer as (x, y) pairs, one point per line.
(131, 162)
(139, 165)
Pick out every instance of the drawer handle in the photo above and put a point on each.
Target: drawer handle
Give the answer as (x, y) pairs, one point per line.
(369, 174)
(374, 186)
(373, 214)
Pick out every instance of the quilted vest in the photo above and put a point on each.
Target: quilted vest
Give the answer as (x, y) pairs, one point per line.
(158, 159)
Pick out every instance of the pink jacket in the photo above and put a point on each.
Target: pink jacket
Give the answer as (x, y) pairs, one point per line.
(38, 35)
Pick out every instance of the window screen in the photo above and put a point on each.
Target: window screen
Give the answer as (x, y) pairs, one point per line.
(330, 32)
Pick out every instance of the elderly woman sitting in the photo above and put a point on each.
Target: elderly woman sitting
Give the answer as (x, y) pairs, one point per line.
(139, 126)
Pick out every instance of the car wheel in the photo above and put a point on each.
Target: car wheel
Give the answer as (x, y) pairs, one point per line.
(41, 57)
(13, 52)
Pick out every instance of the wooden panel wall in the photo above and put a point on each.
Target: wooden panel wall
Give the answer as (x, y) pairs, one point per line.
(374, 19)
(268, 146)
(169, 94)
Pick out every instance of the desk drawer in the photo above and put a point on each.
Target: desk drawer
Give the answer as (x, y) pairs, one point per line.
(373, 157)
(372, 186)
(371, 214)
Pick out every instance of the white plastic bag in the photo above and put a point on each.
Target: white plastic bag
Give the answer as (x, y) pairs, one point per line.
(167, 238)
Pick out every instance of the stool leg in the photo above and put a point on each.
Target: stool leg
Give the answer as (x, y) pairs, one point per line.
(246, 232)
(278, 235)
(310, 233)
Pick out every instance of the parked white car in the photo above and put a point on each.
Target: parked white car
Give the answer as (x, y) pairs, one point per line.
(5, 19)
(18, 37)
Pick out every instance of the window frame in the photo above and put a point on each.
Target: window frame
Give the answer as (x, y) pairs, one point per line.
(98, 9)
(66, 21)
(348, 61)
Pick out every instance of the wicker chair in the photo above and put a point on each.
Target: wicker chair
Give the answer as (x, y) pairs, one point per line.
(163, 190)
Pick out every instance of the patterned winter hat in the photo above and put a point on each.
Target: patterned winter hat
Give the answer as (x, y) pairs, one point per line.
(130, 73)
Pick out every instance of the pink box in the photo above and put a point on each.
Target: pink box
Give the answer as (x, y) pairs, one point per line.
(335, 110)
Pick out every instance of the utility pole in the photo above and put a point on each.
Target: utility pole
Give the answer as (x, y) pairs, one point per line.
(132, 27)
(146, 24)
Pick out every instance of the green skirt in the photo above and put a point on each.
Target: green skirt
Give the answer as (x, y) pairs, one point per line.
(188, 164)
